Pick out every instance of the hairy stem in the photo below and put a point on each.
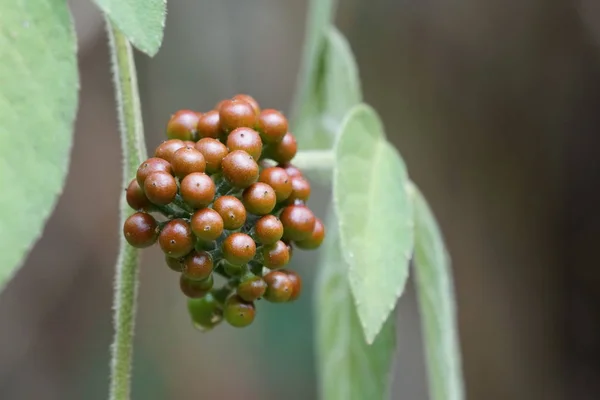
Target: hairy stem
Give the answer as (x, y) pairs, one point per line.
(134, 152)
(316, 164)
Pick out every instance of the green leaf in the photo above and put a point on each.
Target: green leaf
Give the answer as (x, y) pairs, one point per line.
(38, 101)
(332, 91)
(436, 301)
(142, 21)
(349, 368)
(375, 216)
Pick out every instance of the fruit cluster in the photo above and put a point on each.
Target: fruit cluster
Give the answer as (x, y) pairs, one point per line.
(221, 197)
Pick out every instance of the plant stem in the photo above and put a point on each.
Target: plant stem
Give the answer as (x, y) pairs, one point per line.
(134, 152)
(316, 164)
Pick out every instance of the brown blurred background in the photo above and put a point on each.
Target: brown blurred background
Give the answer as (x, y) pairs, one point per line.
(493, 104)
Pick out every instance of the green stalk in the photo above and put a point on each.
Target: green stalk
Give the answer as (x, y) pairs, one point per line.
(134, 152)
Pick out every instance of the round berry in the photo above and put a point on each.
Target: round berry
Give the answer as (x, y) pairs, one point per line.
(275, 255)
(298, 222)
(240, 169)
(238, 313)
(195, 289)
(268, 230)
(290, 169)
(182, 125)
(251, 287)
(213, 152)
(315, 239)
(239, 248)
(285, 150)
(205, 312)
(176, 239)
(272, 125)
(259, 198)
(246, 139)
(235, 114)
(160, 187)
(300, 190)
(176, 264)
(207, 224)
(140, 230)
(197, 190)
(296, 284)
(198, 265)
(231, 210)
(209, 125)
(279, 180)
(166, 149)
(279, 287)
(186, 161)
(149, 166)
(248, 99)
(136, 198)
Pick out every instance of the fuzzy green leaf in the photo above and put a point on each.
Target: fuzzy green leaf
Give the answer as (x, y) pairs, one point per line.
(435, 292)
(349, 368)
(142, 21)
(38, 101)
(375, 216)
(333, 90)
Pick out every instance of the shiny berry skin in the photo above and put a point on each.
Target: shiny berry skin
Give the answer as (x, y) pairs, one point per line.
(240, 169)
(238, 248)
(167, 148)
(186, 161)
(195, 289)
(285, 150)
(316, 238)
(236, 114)
(207, 224)
(268, 230)
(290, 169)
(231, 210)
(298, 222)
(209, 125)
(248, 99)
(149, 166)
(183, 125)
(259, 198)
(160, 187)
(140, 230)
(251, 287)
(296, 284)
(238, 313)
(176, 264)
(279, 180)
(213, 152)
(272, 125)
(275, 255)
(197, 190)
(136, 198)
(246, 139)
(279, 287)
(300, 190)
(197, 266)
(176, 239)
(205, 312)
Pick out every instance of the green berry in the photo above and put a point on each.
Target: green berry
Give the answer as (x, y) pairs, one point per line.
(279, 287)
(176, 264)
(285, 150)
(205, 312)
(149, 166)
(140, 230)
(238, 313)
(246, 139)
(251, 287)
(167, 148)
(259, 198)
(231, 210)
(136, 198)
(197, 190)
(176, 239)
(209, 125)
(186, 161)
(316, 238)
(160, 187)
(268, 230)
(198, 266)
(279, 180)
(239, 248)
(183, 125)
(272, 126)
(213, 152)
(207, 224)
(236, 114)
(240, 169)
(195, 289)
(275, 255)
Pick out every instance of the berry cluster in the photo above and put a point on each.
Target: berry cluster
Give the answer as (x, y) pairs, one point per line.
(228, 202)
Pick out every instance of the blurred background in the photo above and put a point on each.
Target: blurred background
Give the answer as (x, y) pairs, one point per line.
(494, 106)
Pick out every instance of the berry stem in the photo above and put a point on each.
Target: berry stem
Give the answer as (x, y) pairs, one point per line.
(126, 271)
(316, 164)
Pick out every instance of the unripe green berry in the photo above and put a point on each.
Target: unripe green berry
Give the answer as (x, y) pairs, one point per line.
(238, 313)
(183, 125)
(205, 312)
(298, 222)
(207, 224)
(160, 187)
(176, 264)
(268, 230)
(140, 230)
(279, 287)
(275, 255)
(213, 152)
(176, 239)
(197, 190)
(239, 248)
(231, 210)
(251, 287)
(239, 169)
(195, 289)
(316, 238)
(259, 198)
